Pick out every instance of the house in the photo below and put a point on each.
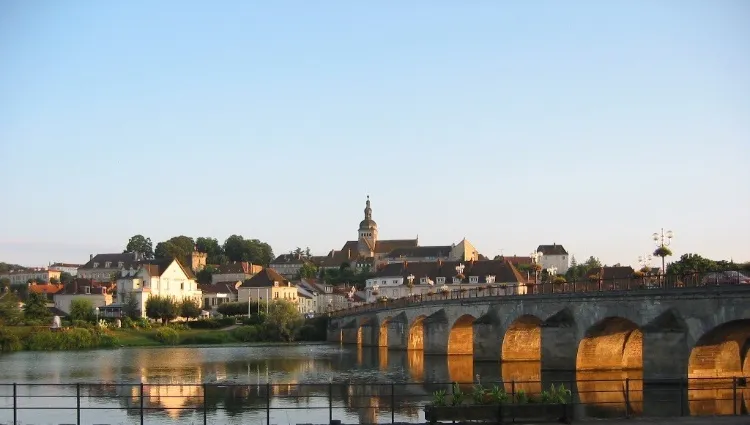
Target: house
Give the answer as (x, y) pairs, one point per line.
(267, 285)
(463, 251)
(393, 280)
(325, 295)
(165, 278)
(106, 267)
(554, 256)
(100, 295)
(217, 294)
(234, 271)
(25, 276)
(611, 278)
(288, 265)
(71, 269)
(307, 301)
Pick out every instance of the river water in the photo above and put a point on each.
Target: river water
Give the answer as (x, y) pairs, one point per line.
(357, 380)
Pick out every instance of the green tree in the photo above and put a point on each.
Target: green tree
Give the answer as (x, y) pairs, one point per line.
(4, 284)
(237, 248)
(213, 250)
(283, 319)
(141, 245)
(36, 307)
(130, 307)
(694, 263)
(162, 308)
(307, 271)
(9, 311)
(81, 309)
(190, 309)
(233, 309)
(204, 276)
(66, 278)
(54, 280)
(308, 254)
(179, 247)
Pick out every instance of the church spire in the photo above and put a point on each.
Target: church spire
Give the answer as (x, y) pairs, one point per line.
(368, 210)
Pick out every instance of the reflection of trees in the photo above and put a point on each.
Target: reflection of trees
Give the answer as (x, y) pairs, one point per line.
(607, 393)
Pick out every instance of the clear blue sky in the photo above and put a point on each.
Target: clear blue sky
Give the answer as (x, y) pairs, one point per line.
(586, 123)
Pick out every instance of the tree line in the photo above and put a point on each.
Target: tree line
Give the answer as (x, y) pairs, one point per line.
(234, 248)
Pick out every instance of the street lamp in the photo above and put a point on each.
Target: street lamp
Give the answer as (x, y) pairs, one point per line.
(96, 310)
(410, 279)
(663, 240)
(645, 261)
(375, 289)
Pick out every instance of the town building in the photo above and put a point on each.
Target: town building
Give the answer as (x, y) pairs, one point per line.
(307, 301)
(289, 265)
(327, 297)
(27, 276)
(100, 295)
(554, 256)
(71, 269)
(106, 267)
(165, 278)
(392, 281)
(267, 285)
(235, 271)
(46, 289)
(215, 295)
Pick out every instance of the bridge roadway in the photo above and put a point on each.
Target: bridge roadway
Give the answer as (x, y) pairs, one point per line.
(667, 332)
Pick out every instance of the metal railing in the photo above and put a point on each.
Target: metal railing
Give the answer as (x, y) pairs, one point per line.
(348, 402)
(591, 286)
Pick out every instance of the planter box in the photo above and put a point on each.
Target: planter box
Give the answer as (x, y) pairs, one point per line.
(500, 413)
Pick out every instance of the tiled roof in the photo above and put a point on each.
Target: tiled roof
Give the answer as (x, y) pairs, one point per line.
(218, 288)
(128, 259)
(386, 246)
(503, 271)
(420, 251)
(158, 267)
(620, 272)
(46, 288)
(303, 292)
(66, 265)
(235, 267)
(289, 259)
(76, 287)
(515, 260)
(553, 249)
(265, 279)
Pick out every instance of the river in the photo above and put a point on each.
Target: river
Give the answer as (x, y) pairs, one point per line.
(358, 380)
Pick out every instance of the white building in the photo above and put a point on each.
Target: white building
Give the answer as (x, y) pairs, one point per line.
(307, 301)
(165, 278)
(102, 267)
(326, 297)
(392, 281)
(71, 269)
(554, 256)
(80, 289)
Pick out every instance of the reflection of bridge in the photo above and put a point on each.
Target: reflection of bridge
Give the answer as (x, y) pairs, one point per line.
(667, 332)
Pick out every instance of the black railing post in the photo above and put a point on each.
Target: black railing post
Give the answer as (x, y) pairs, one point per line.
(15, 404)
(205, 404)
(268, 403)
(141, 401)
(330, 402)
(393, 403)
(627, 397)
(78, 403)
(734, 395)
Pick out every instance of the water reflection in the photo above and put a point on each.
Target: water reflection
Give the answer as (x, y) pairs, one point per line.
(358, 380)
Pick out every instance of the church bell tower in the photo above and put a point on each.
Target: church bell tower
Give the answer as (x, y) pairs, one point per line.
(368, 233)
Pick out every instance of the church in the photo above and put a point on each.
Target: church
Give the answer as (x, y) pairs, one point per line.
(368, 250)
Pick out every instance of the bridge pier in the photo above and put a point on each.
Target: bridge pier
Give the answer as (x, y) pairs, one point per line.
(349, 333)
(488, 341)
(665, 355)
(333, 335)
(437, 331)
(398, 335)
(559, 347)
(369, 333)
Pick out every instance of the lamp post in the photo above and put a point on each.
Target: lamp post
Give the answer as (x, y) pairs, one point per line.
(375, 289)
(536, 258)
(645, 261)
(96, 310)
(663, 240)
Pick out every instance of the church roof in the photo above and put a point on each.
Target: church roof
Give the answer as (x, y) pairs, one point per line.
(420, 252)
(386, 246)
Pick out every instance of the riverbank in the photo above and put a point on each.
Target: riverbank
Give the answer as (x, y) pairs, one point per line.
(36, 338)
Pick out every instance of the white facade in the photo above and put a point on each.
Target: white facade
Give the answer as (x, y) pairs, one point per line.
(100, 299)
(172, 282)
(71, 269)
(560, 262)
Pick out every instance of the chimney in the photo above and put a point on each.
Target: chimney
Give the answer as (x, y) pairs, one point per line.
(91, 257)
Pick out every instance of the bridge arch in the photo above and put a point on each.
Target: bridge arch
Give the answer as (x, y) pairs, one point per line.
(364, 331)
(614, 343)
(461, 338)
(416, 334)
(719, 355)
(383, 332)
(523, 339)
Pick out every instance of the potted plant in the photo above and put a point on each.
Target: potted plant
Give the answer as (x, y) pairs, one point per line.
(494, 405)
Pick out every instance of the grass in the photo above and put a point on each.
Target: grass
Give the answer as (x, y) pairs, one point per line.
(147, 337)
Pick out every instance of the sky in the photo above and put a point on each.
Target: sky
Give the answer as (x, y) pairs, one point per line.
(589, 124)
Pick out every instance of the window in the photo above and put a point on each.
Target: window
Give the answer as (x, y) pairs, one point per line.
(456, 280)
(473, 279)
(108, 264)
(490, 279)
(86, 289)
(395, 281)
(182, 286)
(383, 282)
(120, 264)
(441, 281)
(96, 265)
(423, 280)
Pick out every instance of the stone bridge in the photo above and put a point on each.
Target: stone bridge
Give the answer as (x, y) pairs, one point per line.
(668, 333)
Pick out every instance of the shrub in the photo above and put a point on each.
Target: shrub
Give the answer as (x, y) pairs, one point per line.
(128, 323)
(246, 333)
(143, 323)
(178, 326)
(9, 341)
(226, 321)
(167, 335)
(204, 324)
